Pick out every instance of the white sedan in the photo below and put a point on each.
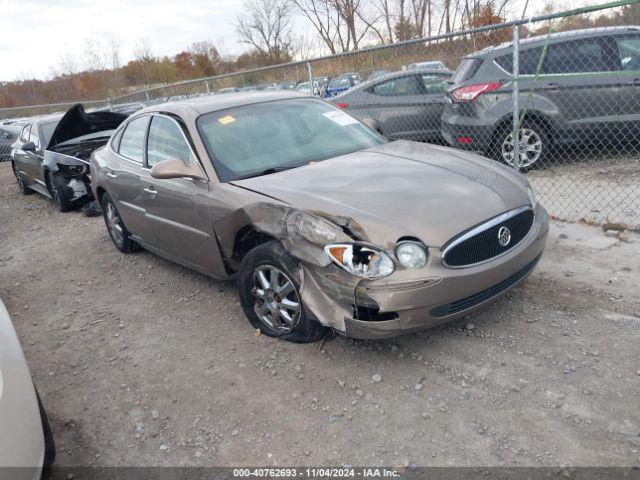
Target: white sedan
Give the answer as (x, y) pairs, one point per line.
(25, 436)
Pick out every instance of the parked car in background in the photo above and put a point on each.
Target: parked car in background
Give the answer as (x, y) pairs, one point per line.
(340, 84)
(305, 87)
(404, 104)
(227, 90)
(432, 65)
(52, 152)
(274, 187)
(8, 135)
(377, 74)
(587, 92)
(287, 85)
(127, 108)
(26, 442)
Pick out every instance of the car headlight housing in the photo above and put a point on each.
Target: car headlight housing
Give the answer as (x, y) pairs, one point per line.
(532, 197)
(361, 260)
(411, 254)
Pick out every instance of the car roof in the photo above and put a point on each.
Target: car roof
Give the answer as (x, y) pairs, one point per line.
(541, 39)
(201, 105)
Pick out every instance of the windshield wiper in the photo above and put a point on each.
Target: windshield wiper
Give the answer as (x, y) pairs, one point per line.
(268, 171)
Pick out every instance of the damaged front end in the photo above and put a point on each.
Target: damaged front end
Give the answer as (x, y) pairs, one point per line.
(335, 258)
(66, 158)
(365, 291)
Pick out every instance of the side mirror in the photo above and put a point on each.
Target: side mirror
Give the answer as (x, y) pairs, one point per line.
(372, 124)
(176, 168)
(28, 147)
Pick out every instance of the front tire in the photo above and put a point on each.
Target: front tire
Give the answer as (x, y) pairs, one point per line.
(119, 234)
(534, 145)
(269, 290)
(59, 193)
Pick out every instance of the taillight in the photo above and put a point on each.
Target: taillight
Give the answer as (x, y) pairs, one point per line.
(342, 105)
(471, 92)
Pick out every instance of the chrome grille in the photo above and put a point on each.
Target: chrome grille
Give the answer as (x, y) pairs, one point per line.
(483, 242)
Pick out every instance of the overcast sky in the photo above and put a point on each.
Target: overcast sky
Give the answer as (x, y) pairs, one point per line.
(35, 35)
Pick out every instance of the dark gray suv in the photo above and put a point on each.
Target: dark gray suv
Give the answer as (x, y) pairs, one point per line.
(576, 88)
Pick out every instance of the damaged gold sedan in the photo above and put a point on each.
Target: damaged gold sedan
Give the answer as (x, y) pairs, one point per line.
(324, 223)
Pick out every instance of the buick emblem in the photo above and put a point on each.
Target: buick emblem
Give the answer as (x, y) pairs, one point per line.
(504, 236)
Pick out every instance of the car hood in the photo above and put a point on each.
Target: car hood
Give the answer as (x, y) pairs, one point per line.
(400, 189)
(76, 123)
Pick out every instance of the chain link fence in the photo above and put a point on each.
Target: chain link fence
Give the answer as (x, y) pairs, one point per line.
(565, 85)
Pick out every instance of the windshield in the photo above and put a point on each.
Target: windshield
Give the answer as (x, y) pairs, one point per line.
(247, 140)
(47, 131)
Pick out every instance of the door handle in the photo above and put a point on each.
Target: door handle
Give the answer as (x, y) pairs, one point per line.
(150, 191)
(111, 175)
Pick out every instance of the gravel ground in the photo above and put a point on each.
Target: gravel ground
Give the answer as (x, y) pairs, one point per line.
(142, 362)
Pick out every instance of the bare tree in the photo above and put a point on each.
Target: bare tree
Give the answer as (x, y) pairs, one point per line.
(266, 25)
(143, 55)
(113, 46)
(68, 64)
(93, 55)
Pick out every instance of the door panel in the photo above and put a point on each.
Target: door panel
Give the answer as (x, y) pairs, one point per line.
(577, 78)
(176, 209)
(628, 47)
(125, 169)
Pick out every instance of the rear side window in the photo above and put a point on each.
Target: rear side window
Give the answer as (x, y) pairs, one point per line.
(575, 57)
(166, 141)
(398, 86)
(629, 50)
(115, 142)
(433, 84)
(132, 142)
(467, 69)
(528, 61)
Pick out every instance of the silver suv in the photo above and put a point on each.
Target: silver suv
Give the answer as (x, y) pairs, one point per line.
(576, 88)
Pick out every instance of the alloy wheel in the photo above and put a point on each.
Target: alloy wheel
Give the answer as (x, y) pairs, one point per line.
(530, 148)
(276, 299)
(114, 224)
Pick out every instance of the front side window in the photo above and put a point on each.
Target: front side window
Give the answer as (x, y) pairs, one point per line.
(253, 139)
(33, 136)
(24, 134)
(132, 141)
(407, 85)
(629, 49)
(166, 141)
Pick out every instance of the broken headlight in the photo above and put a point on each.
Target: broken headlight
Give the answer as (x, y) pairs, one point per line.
(361, 260)
(312, 228)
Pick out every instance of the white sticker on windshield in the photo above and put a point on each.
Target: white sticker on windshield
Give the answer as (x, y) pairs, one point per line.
(340, 118)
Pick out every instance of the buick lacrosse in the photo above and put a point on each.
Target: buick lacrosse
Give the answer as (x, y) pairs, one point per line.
(323, 222)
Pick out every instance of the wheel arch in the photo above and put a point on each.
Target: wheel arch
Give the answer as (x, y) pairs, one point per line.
(533, 115)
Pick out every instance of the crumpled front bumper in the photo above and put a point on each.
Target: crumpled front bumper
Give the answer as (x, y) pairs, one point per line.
(404, 303)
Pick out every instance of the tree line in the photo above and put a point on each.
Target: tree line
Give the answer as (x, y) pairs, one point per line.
(270, 29)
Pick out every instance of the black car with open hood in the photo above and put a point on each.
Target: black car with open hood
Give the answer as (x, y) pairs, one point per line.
(53, 155)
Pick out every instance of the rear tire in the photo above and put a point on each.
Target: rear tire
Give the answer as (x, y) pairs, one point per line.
(21, 185)
(120, 236)
(534, 145)
(269, 290)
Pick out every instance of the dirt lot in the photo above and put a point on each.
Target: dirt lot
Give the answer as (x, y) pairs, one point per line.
(142, 362)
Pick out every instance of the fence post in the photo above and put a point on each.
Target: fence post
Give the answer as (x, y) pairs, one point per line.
(146, 94)
(515, 136)
(310, 73)
(206, 84)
